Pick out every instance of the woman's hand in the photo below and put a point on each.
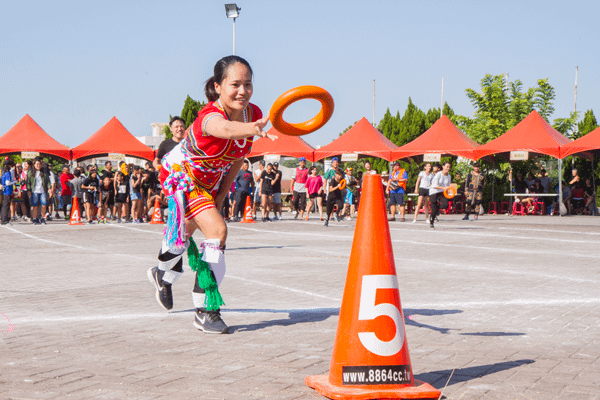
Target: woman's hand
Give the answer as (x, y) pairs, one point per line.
(259, 125)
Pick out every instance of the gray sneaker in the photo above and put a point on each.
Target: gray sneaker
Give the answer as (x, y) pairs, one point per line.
(164, 296)
(209, 321)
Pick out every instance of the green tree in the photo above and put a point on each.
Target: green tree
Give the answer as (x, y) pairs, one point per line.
(587, 124)
(189, 113)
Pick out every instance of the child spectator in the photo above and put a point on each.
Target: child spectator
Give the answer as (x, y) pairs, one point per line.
(107, 198)
(8, 184)
(135, 194)
(277, 191)
(121, 197)
(90, 196)
(148, 186)
(334, 198)
(267, 177)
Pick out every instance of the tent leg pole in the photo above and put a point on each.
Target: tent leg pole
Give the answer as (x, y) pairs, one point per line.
(560, 195)
(594, 185)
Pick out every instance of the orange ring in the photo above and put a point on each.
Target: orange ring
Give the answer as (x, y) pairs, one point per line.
(450, 193)
(293, 95)
(342, 184)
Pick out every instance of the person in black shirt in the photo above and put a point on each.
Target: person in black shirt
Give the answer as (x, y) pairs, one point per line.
(91, 185)
(266, 191)
(148, 187)
(335, 195)
(243, 183)
(277, 191)
(107, 198)
(177, 126)
(108, 172)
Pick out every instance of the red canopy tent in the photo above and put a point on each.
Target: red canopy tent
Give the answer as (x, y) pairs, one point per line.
(589, 143)
(112, 138)
(27, 135)
(533, 134)
(285, 145)
(363, 139)
(442, 138)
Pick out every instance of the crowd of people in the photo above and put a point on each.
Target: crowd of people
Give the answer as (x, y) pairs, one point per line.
(33, 192)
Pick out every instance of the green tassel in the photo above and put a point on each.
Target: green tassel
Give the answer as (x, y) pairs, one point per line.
(206, 280)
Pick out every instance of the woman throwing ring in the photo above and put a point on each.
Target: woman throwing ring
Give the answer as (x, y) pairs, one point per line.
(196, 175)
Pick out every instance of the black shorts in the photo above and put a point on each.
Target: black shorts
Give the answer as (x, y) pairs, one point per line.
(313, 195)
(423, 192)
(89, 198)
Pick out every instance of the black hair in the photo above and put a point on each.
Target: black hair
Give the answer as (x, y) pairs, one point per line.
(270, 165)
(447, 162)
(339, 171)
(246, 162)
(136, 168)
(106, 163)
(262, 162)
(77, 172)
(438, 165)
(176, 118)
(219, 73)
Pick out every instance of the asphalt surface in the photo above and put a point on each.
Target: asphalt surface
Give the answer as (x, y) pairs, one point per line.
(501, 308)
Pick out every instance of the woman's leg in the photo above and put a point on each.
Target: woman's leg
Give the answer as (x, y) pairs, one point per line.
(263, 203)
(320, 206)
(309, 207)
(434, 208)
(419, 202)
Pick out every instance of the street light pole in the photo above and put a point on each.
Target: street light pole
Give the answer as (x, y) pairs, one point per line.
(232, 11)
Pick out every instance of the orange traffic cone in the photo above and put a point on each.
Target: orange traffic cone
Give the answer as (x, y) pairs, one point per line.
(156, 215)
(370, 357)
(75, 215)
(248, 213)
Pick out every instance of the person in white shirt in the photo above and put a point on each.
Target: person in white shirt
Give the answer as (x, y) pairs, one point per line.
(440, 182)
(422, 189)
(257, 185)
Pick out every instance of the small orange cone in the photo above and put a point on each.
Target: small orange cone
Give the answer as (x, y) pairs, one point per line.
(370, 357)
(248, 213)
(156, 215)
(75, 216)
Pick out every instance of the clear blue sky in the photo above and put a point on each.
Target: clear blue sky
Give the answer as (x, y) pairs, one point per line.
(73, 65)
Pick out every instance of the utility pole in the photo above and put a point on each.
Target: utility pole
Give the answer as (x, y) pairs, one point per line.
(373, 102)
(442, 104)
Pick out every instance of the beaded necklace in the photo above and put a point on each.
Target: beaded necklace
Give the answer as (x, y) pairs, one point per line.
(245, 113)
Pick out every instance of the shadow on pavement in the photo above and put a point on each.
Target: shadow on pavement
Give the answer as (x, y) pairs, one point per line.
(260, 247)
(294, 317)
(438, 379)
(410, 312)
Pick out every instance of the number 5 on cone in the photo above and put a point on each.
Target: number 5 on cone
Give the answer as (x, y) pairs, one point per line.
(369, 311)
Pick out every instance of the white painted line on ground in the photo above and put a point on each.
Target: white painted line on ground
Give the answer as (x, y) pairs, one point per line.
(415, 242)
(549, 231)
(406, 306)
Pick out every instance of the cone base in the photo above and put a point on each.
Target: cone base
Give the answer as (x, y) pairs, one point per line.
(321, 384)
(76, 223)
(248, 222)
(157, 222)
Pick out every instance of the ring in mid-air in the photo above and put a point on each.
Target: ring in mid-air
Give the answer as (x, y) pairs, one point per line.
(293, 95)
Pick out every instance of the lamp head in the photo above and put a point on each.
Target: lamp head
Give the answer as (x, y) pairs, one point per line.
(232, 10)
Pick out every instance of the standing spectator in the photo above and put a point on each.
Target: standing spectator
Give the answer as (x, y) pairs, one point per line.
(396, 189)
(298, 187)
(243, 182)
(277, 191)
(66, 193)
(350, 197)
(76, 183)
(18, 198)
(440, 182)
(474, 191)
(107, 198)
(53, 202)
(121, 197)
(27, 166)
(177, 126)
(590, 198)
(422, 189)
(108, 172)
(39, 182)
(368, 170)
(147, 186)
(334, 197)
(266, 190)
(8, 183)
(90, 196)
(135, 193)
(257, 185)
(314, 187)
(330, 173)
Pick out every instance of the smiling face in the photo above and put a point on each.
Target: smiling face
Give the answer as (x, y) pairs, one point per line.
(178, 130)
(235, 90)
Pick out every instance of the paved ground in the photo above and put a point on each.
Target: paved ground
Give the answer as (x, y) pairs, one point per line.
(509, 308)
